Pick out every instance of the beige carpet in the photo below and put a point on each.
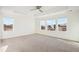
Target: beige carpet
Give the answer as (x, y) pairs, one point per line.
(38, 43)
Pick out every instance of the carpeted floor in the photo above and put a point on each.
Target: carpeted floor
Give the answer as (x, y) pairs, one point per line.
(38, 43)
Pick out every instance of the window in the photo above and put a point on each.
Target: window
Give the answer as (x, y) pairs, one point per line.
(42, 24)
(51, 25)
(62, 24)
(8, 23)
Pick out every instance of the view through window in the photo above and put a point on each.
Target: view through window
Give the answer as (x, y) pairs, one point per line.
(62, 24)
(8, 23)
(43, 25)
(51, 25)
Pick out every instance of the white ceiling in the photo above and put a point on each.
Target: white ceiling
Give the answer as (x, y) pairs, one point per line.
(46, 9)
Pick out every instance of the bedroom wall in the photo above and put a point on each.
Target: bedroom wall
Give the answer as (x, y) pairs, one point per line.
(72, 32)
(23, 25)
(0, 27)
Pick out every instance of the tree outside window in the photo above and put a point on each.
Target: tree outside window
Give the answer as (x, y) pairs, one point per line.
(51, 25)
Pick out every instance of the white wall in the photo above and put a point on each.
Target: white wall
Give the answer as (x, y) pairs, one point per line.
(27, 24)
(0, 27)
(23, 25)
(72, 32)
